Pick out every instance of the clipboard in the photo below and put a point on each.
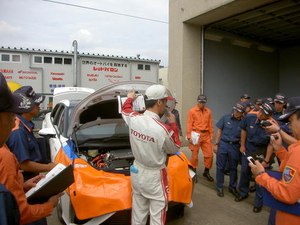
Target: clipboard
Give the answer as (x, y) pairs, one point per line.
(138, 105)
(56, 181)
(269, 200)
(195, 137)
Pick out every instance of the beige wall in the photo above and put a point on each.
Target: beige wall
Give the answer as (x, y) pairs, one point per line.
(186, 19)
(163, 76)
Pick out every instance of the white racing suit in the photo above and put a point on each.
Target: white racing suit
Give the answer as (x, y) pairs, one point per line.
(150, 141)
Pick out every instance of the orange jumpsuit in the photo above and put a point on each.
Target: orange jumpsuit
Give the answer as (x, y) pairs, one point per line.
(200, 121)
(11, 177)
(288, 189)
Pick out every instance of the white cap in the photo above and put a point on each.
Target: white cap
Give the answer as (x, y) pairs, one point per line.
(156, 92)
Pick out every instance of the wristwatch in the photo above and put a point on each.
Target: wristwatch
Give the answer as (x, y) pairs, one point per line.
(216, 143)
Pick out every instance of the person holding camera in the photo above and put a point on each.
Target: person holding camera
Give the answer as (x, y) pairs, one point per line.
(286, 190)
(254, 139)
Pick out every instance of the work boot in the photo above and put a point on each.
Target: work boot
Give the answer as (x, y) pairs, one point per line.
(207, 175)
(220, 192)
(234, 192)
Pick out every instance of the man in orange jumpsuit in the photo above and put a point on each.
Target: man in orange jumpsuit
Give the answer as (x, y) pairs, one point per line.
(10, 175)
(199, 121)
(286, 190)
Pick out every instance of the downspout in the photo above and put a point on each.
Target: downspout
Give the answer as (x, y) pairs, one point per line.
(202, 60)
(130, 69)
(75, 63)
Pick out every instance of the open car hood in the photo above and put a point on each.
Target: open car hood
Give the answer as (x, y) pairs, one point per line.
(102, 105)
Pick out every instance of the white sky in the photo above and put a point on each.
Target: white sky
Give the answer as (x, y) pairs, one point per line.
(47, 25)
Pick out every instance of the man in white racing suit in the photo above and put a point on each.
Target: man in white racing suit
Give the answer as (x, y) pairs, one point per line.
(150, 141)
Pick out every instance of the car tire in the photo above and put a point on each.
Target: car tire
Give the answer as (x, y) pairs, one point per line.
(175, 211)
(59, 212)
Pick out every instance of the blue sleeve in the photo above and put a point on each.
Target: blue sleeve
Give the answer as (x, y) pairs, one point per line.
(243, 123)
(220, 123)
(18, 144)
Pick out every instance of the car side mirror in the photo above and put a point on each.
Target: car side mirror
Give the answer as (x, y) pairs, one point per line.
(47, 132)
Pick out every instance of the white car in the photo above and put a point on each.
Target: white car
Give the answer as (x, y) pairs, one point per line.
(91, 135)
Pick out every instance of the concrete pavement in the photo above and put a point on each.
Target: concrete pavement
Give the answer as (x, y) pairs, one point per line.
(209, 209)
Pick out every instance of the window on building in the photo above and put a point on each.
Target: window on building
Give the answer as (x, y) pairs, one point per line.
(147, 67)
(58, 60)
(67, 61)
(16, 58)
(5, 57)
(48, 60)
(37, 59)
(140, 66)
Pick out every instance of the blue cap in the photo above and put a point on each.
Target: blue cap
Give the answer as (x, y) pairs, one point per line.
(11, 102)
(292, 106)
(30, 93)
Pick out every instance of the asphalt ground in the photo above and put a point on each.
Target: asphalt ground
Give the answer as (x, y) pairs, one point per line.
(208, 208)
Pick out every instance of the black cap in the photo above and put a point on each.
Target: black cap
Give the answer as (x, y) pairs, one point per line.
(280, 97)
(248, 104)
(30, 93)
(268, 108)
(267, 99)
(258, 101)
(202, 98)
(246, 96)
(240, 107)
(11, 102)
(293, 105)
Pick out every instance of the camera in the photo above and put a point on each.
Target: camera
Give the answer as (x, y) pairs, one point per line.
(275, 136)
(250, 159)
(167, 112)
(265, 123)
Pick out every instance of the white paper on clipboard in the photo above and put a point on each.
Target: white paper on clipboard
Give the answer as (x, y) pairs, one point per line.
(195, 137)
(138, 103)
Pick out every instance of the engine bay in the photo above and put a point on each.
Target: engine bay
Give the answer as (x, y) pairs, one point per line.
(112, 159)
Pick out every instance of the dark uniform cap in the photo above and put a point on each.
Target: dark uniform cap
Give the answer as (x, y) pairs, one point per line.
(202, 98)
(258, 101)
(268, 108)
(11, 102)
(268, 99)
(248, 104)
(30, 93)
(280, 97)
(240, 107)
(293, 105)
(246, 96)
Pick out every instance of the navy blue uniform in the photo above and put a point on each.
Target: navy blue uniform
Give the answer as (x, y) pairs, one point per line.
(9, 209)
(23, 144)
(257, 139)
(228, 150)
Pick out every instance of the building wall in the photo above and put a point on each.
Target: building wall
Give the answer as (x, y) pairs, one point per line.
(186, 21)
(290, 71)
(93, 71)
(163, 76)
(230, 71)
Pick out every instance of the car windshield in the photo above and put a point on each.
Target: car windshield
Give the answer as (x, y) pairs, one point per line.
(115, 133)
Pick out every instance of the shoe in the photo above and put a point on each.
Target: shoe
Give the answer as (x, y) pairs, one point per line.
(234, 192)
(241, 198)
(220, 193)
(208, 177)
(257, 209)
(252, 188)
